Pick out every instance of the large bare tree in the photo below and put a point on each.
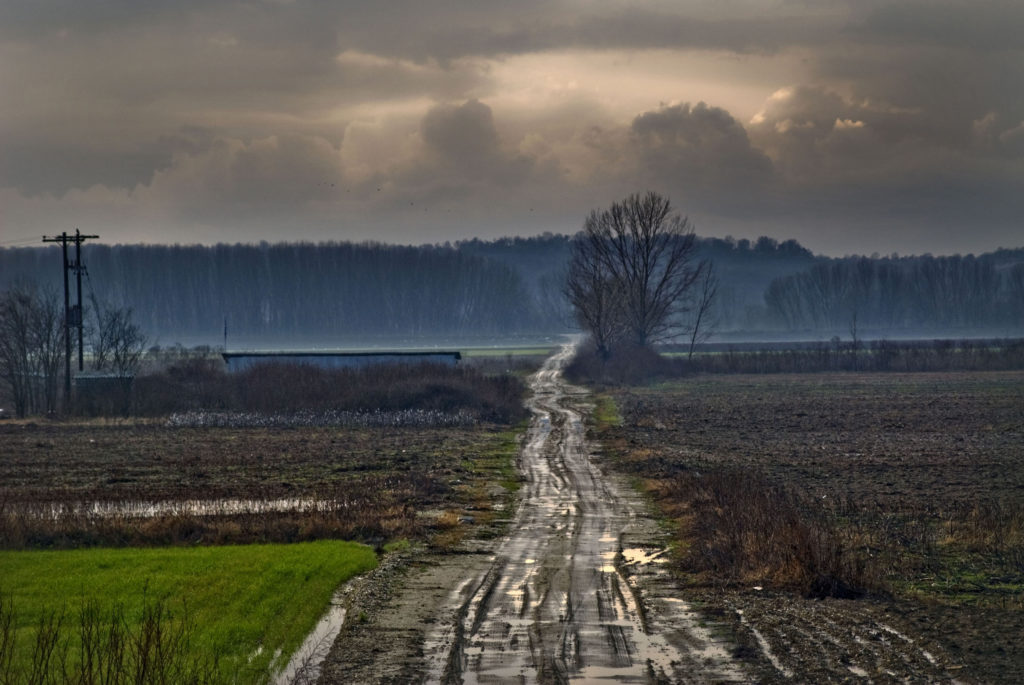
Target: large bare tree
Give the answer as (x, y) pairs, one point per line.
(641, 255)
(596, 301)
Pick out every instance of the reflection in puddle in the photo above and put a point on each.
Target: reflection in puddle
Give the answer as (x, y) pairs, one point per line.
(304, 666)
(554, 606)
(638, 555)
(192, 507)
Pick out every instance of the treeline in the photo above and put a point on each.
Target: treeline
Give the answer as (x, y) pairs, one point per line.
(922, 293)
(875, 356)
(277, 294)
(330, 290)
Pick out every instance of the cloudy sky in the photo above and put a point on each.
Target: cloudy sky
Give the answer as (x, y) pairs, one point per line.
(854, 126)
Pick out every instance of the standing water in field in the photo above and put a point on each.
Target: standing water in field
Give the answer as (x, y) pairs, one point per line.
(553, 605)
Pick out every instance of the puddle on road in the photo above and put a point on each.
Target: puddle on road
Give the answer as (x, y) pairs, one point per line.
(641, 556)
(304, 666)
(555, 604)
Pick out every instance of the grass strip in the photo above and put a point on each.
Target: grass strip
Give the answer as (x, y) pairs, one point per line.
(250, 605)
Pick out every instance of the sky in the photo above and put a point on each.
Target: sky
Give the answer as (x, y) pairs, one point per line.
(853, 126)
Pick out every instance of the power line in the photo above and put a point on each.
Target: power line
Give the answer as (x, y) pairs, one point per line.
(20, 241)
(72, 315)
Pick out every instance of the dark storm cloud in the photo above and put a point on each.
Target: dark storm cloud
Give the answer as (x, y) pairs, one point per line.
(989, 25)
(905, 114)
(463, 141)
(443, 30)
(39, 166)
(699, 149)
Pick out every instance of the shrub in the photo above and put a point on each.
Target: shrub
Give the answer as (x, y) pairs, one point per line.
(737, 529)
(202, 385)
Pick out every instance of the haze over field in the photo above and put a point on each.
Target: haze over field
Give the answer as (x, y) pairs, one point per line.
(852, 126)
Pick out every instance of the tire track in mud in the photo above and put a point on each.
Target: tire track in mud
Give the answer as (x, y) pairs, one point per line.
(838, 640)
(554, 605)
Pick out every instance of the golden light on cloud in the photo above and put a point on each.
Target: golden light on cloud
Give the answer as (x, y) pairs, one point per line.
(625, 83)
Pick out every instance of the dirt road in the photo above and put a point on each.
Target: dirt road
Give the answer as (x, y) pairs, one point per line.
(560, 598)
(575, 591)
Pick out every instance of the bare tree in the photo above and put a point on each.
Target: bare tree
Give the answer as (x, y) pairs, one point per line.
(48, 332)
(118, 342)
(16, 347)
(643, 253)
(31, 348)
(703, 321)
(596, 300)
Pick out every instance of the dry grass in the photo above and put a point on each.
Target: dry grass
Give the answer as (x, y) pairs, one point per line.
(735, 530)
(275, 387)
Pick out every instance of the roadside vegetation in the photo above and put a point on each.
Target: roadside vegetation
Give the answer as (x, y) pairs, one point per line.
(643, 365)
(176, 615)
(202, 384)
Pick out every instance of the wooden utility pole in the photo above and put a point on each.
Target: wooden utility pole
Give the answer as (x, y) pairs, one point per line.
(72, 316)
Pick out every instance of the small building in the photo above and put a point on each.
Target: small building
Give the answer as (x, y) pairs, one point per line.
(239, 361)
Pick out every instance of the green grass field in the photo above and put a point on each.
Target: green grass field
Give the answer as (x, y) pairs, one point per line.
(246, 603)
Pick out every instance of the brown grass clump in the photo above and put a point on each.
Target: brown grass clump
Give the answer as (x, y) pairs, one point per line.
(738, 530)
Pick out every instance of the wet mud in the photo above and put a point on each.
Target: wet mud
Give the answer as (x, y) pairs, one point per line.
(562, 598)
(578, 590)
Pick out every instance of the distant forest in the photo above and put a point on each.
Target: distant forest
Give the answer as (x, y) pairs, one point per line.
(344, 293)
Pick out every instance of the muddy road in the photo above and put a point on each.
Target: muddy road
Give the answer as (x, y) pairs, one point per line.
(560, 598)
(576, 591)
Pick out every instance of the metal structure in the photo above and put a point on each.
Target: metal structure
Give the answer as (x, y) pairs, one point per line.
(72, 315)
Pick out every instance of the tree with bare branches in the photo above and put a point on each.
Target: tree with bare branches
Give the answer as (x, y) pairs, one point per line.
(118, 342)
(31, 348)
(635, 260)
(596, 301)
(702, 314)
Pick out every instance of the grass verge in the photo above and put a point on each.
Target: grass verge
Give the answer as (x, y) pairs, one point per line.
(249, 606)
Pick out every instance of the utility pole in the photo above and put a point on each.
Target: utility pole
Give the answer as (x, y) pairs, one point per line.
(72, 316)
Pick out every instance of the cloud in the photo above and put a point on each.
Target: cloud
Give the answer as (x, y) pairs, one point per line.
(482, 117)
(991, 25)
(233, 181)
(700, 149)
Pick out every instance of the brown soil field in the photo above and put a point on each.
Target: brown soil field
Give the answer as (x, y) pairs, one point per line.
(918, 478)
(376, 484)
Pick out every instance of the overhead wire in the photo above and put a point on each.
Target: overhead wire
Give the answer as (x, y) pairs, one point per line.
(21, 241)
(92, 296)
